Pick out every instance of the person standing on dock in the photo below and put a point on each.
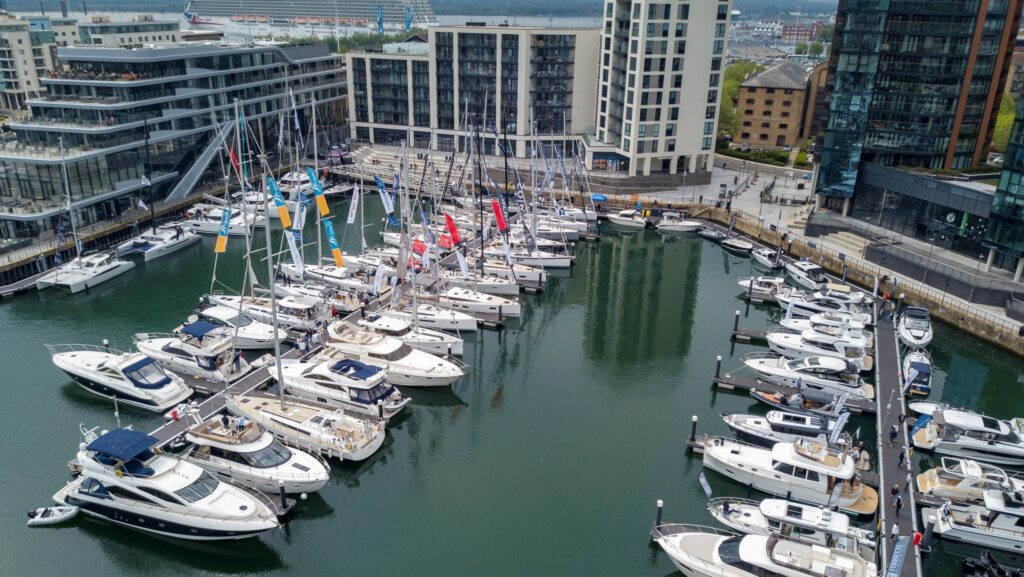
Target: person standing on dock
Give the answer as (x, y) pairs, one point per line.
(899, 504)
(903, 456)
(910, 478)
(894, 492)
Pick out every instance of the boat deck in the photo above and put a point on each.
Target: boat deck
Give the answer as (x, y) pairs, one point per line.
(730, 383)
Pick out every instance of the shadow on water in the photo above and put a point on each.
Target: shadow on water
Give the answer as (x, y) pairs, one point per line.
(348, 473)
(130, 549)
(437, 397)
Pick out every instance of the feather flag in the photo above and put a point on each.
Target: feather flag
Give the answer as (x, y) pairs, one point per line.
(428, 235)
(499, 216)
(332, 241)
(452, 229)
(353, 206)
(462, 264)
(318, 192)
(385, 198)
(222, 234)
(234, 162)
(282, 207)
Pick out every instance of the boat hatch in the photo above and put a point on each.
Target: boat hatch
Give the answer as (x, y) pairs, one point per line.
(354, 369)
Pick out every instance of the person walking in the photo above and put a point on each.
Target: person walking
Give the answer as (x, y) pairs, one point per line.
(893, 433)
(903, 456)
(894, 492)
(899, 504)
(910, 479)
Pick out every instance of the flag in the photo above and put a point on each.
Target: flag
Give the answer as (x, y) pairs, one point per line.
(295, 116)
(332, 241)
(428, 235)
(378, 279)
(222, 235)
(282, 207)
(508, 253)
(462, 264)
(499, 216)
(234, 161)
(145, 181)
(142, 205)
(280, 132)
(353, 206)
(318, 192)
(453, 230)
(385, 199)
(418, 246)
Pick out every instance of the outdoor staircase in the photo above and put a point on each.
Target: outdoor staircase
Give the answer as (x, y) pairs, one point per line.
(846, 242)
(798, 221)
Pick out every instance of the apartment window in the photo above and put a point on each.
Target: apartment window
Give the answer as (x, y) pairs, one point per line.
(625, 145)
(649, 47)
(657, 97)
(709, 128)
(719, 30)
(636, 11)
(712, 96)
(716, 64)
(677, 81)
(604, 75)
(632, 63)
(750, 101)
(651, 10)
(709, 113)
(654, 146)
(723, 11)
(767, 112)
(627, 129)
(672, 97)
(670, 146)
(706, 144)
(745, 135)
(769, 90)
(677, 64)
(713, 81)
(748, 112)
(786, 103)
(769, 102)
(640, 146)
(783, 126)
(643, 115)
(666, 11)
(680, 29)
(746, 123)
(629, 97)
(633, 44)
(673, 114)
(642, 131)
(650, 29)
(670, 129)
(632, 80)
(788, 91)
(785, 114)
(763, 137)
(608, 43)
(719, 46)
(680, 46)
(636, 30)
(683, 13)
(609, 10)
(765, 124)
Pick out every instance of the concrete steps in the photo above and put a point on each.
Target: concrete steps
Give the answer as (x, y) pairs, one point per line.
(846, 242)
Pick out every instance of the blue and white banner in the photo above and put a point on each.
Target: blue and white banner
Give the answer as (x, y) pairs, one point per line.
(378, 279)
(353, 206)
(837, 429)
(462, 264)
(561, 167)
(385, 198)
(549, 179)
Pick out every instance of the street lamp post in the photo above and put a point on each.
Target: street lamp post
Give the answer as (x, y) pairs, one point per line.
(974, 282)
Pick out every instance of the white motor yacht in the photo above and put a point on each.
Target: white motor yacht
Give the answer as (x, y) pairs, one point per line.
(348, 384)
(994, 525)
(295, 182)
(164, 240)
(851, 347)
(121, 480)
(705, 552)
(821, 321)
(294, 313)
(780, 427)
(737, 245)
(428, 340)
(628, 219)
(534, 258)
(804, 470)
(328, 274)
(766, 258)
(434, 317)
(253, 456)
(206, 220)
(712, 234)
(963, 433)
(914, 328)
(131, 378)
(85, 272)
(966, 480)
(807, 274)
(834, 299)
(761, 287)
(919, 364)
(193, 350)
(405, 365)
(247, 333)
(807, 523)
(342, 301)
(827, 374)
(311, 426)
(475, 302)
(484, 283)
(674, 222)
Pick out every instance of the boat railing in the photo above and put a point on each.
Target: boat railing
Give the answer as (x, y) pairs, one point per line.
(151, 336)
(276, 508)
(719, 440)
(74, 347)
(719, 502)
(283, 475)
(670, 529)
(759, 355)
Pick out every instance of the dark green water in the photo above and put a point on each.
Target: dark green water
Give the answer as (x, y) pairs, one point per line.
(546, 460)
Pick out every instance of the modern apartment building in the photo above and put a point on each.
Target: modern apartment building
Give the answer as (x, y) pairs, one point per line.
(27, 52)
(494, 78)
(770, 107)
(142, 29)
(1015, 81)
(95, 115)
(660, 85)
(1006, 222)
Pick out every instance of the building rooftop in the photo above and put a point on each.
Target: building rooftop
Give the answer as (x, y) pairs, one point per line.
(785, 75)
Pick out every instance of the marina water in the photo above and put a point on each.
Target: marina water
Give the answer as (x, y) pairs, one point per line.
(546, 460)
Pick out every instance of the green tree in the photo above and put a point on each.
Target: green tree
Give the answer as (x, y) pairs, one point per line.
(826, 33)
(815, 49)
(735, 73)
(1004, 122)
(801, 49)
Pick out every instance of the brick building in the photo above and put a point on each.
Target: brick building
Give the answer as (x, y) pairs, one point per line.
(801, 32)
(770, 107)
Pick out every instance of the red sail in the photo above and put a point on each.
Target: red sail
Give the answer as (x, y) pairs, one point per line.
(499, 216)
(452, 229)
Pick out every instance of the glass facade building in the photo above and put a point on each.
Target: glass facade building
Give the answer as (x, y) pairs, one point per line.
(1006, 223)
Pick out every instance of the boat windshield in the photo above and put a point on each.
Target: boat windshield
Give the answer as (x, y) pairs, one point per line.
(147, 375)
(240, 321)
(729, 550)
(399, 353)
(273, 455)
(201, 488)
(373, 394)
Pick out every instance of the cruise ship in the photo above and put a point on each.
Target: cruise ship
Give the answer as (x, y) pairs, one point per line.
(307, 18)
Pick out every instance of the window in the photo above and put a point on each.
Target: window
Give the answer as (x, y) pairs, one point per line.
(670, 129)
(723, 12)
(677, 64)
(670, 146)
(767, 112)
(749, 112)
(680, 29)
(641, 146)
(712, 96)
(745, 135)
(683, 13)
(783, 126)
(784, 468)
(785, 114)
(709, 113)
(709, 128)
(769, 90)
(680, 46)
(746, 123)
(706, 145)
(673, 114)
(677, 81)
(750, 101)
(609, 10)
(199, 489)
(787, 102)
(716, 64)
(765, 124)
(719, 30)
(769, 102)
(718, 47)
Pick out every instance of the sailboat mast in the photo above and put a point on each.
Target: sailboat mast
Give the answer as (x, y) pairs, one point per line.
(67, 191)
(316, 171)
(273, 299)
(149, 182)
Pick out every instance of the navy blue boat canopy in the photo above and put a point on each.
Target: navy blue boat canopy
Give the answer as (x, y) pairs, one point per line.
(354, 369)
(923, 369)
(198, 329)
(123, 444)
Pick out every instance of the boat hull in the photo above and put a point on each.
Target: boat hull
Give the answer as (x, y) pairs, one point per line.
(106, 391)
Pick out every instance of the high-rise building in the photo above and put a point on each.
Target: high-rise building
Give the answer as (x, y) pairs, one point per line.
(1006, 222)
(660, 84)
(915, 84)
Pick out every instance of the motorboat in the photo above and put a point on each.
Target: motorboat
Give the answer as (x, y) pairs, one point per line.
(963, 433)
(780, 427)
(51, 515)
(131, 378)
(712, 234)
(475, 302)
(295, 182)
(850, 347)
(987, 566)
(347, 384)
(252, 456)
(246, 332)
(434, 317)
(85, 272)
(164, 240)
(673, 222)
(294, 313)
(803, 470)
(484, 283)
(829, 375)
(914, 328)
(836, 299)
(629, 219)
(534, 258)
(206, 220)
(835, 320)
(194, 350)
(120, 479)
(312, 426)
(994, 525)
(767, 258)
(705, 552)
(737, 244)
(405, 365)
(917, 368)
(807, 274)
(966, 480)
(803, 401)
(809, 524)
(761, 287)
(428, 340)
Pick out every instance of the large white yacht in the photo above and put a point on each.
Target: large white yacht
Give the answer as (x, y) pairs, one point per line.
(247, 332)
(132, 378)
(312, 426)
(963, 433)
(163, 241)
(434, 317)
(705, 552)
(807, 274)
(294, 313)
(405, 365)
(823, 322)
(429, 340)
(348, 384)
(206, 220)
(121, 480)
(473, 302)
(852, 348)
(805, 470)
(253, 456)
(810, 524)
(193, 350)
(534, 258)
(834, 299)
(995, 524)
(820, 373)
(628, 219)
(966, 480)
(85, 272)
(779, 427)
(914, 327)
